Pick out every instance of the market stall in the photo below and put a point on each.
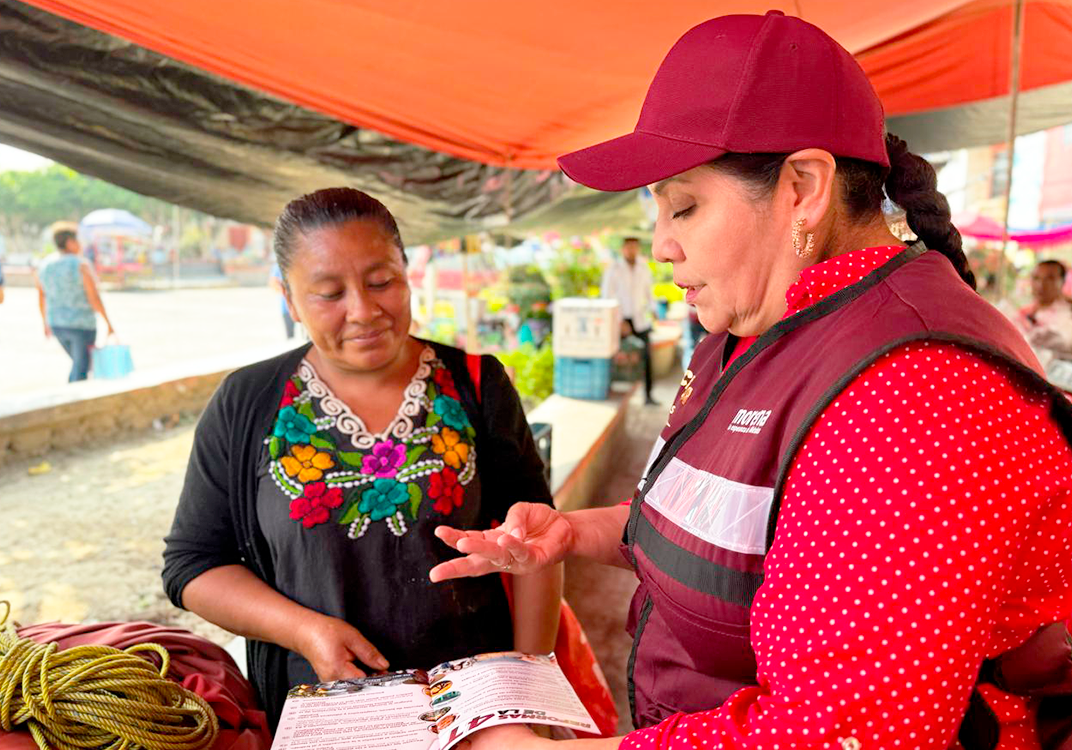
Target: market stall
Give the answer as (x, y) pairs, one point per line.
(452, 112)
(117, 243)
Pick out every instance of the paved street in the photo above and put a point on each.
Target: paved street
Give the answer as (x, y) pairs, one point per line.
(161, 327)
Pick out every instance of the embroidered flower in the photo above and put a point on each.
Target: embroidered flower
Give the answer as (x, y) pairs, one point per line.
(445, 382)
(313, 507)
(451, 411)
(443, 487)
(383, 498)
(290, 392)
(386, 459)
(306, 463)
(296, 428)
(448, 445)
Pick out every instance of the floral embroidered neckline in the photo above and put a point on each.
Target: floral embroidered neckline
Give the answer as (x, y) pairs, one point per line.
(351, 425)
(392, 474)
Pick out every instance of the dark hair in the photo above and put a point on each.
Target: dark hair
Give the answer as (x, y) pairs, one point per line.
(913, 185)
(631, 239)
(910, 182)
(1060, 266)
(64, 233)
(324, 208)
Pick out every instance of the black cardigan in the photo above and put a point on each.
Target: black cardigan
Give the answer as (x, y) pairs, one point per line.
(222, 476)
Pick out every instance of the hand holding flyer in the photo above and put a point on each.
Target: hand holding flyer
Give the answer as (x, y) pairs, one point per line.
(435, 710)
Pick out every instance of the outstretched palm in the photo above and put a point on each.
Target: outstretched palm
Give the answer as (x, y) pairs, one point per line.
(534, 536)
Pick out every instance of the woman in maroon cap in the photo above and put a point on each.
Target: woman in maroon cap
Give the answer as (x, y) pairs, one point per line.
(856, 527)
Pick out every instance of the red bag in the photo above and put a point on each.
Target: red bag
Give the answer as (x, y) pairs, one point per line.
(572, 649)
(578, 662)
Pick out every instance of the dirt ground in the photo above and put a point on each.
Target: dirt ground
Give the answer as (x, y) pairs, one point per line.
(82, 542)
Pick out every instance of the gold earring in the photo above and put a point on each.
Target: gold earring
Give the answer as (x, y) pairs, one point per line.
(809, 240)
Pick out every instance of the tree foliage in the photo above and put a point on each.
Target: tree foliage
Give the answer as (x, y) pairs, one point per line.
(31, 201)
(57, 193)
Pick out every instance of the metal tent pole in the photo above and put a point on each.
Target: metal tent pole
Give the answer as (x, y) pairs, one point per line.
(1014, 102)
(176, 232)
(467, 318)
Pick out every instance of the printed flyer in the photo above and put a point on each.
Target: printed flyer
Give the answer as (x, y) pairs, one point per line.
(434, 710)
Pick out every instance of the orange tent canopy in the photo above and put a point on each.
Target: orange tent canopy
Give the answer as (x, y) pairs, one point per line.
(517, 83)
(966, 55)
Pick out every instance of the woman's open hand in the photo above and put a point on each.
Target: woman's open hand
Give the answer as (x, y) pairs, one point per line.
(533, 537)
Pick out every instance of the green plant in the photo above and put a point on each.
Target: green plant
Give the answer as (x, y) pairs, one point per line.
(534, 371)
(442, 331)
(494, 298)
(668, 291)
(191, 241)
(575, 272)
(661, 273)
(529, 290)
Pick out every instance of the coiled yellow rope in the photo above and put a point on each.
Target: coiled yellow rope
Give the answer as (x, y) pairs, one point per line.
(97, 697)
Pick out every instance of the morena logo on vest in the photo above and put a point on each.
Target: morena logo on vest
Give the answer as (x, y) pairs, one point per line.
(749, 421)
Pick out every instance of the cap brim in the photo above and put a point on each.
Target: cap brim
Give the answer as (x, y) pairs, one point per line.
(634, 160)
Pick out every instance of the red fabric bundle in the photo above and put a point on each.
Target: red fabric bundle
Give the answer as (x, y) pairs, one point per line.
(197, 664)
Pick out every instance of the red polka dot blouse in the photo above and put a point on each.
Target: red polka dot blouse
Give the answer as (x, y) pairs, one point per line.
(926, 525)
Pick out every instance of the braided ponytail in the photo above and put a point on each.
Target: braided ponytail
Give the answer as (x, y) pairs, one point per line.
(913, 185)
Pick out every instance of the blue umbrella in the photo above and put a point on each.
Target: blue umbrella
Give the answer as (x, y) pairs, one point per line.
(114, 221)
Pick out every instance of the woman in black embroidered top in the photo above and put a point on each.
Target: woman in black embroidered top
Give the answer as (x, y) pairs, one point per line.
(317, 478)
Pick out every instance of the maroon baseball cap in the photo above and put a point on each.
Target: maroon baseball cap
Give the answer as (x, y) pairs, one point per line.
(741, 84)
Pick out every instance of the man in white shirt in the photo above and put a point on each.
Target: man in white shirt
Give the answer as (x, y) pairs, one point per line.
(629, 281)
(1047, 321)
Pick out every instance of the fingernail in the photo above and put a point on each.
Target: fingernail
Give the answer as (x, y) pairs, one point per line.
(517, 534)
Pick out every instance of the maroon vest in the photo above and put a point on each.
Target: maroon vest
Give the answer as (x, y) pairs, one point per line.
(704, 516)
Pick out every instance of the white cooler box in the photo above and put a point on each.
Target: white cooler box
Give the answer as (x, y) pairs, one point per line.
(586, 328)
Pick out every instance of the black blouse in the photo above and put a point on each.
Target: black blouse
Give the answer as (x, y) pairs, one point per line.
(384, 591)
